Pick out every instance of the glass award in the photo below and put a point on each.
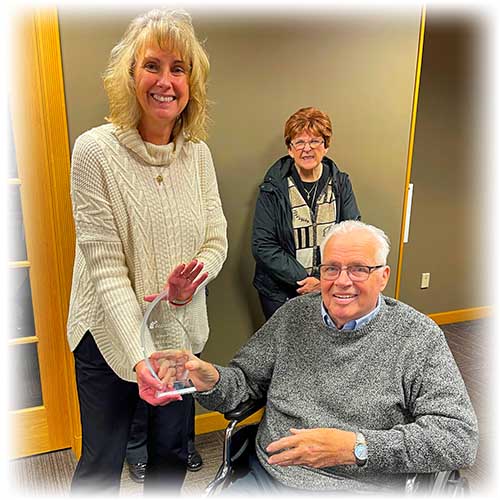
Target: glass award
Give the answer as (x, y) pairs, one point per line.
(154, 337)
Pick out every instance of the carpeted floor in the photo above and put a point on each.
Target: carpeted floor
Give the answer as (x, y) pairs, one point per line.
(471, 343)
(50, 474)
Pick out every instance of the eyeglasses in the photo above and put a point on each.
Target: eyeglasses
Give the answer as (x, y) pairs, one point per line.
(299, 144)
(331, 272)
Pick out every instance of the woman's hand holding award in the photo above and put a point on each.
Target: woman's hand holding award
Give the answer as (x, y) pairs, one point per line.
(165, 377)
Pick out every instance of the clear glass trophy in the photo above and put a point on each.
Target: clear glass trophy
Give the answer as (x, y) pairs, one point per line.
(154, 337)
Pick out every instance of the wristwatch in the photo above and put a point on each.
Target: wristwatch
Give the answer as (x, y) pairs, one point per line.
(360, 450)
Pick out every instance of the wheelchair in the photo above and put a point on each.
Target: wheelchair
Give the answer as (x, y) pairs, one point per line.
(239, 443)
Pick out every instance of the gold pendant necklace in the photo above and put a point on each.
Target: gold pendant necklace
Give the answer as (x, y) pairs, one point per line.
(159, 178)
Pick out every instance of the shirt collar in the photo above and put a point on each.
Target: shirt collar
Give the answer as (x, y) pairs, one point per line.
(354, 324)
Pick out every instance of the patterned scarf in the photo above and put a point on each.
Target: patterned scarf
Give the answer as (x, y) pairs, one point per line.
(310, 227)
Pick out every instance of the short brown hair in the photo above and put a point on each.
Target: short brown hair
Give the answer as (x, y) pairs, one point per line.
(169, 29)
(310, 120)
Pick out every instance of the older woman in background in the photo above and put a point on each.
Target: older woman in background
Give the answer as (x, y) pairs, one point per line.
(302, 195)
(147, 212)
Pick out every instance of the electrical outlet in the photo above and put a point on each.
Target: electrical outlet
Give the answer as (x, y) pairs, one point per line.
(426, 279)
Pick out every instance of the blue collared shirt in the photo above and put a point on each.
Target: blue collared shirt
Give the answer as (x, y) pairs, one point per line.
(354, 324)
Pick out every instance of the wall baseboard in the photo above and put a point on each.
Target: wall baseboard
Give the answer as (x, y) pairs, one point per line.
(214, 421)
(462, 315)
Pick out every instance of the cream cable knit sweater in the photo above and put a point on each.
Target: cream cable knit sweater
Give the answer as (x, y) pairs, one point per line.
(131, 232)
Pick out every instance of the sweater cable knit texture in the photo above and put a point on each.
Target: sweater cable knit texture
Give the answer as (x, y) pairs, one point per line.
(131, 232)
(394, 380)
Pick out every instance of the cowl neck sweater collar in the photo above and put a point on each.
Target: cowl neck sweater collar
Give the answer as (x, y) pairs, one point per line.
(150, 153)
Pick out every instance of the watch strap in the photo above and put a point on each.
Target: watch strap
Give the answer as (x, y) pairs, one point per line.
(360, 450)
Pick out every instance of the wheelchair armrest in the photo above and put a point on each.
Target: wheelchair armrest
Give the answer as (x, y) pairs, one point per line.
(245, 409)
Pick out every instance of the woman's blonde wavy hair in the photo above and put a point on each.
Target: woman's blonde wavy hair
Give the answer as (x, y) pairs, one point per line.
(170, 30)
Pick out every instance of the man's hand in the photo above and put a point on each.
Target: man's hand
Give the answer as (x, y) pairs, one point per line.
(183, 282)
(169, 365)
(314, 448)
(308, 285)
(203, 375)
(149, 386)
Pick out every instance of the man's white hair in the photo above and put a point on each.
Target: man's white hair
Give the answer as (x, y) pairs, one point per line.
(349, 226)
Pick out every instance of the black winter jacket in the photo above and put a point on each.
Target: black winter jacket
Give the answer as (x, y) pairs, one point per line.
(277, 270)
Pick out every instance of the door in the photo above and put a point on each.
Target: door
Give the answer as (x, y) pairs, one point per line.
(42, 403)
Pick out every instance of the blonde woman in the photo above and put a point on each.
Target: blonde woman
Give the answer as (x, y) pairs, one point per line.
(147, 212)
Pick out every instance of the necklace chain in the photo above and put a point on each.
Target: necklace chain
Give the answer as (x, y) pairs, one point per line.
(314, 188)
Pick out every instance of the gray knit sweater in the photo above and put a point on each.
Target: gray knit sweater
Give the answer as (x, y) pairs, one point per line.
(394, 379)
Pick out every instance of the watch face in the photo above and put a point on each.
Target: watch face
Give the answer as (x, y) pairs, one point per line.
(361, 452)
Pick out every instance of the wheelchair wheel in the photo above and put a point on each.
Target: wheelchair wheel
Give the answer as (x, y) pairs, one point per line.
(451, 484)
(457, 485)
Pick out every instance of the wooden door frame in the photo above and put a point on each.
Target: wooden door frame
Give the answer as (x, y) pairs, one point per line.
(42, 150)
(411, 142)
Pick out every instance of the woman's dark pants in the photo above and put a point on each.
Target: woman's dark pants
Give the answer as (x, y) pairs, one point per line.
(107, 406)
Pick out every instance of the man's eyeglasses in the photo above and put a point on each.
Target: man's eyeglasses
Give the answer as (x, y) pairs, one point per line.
(299, 144)
(331, 272)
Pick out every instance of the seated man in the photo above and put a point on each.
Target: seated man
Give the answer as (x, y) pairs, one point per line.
(361, 388)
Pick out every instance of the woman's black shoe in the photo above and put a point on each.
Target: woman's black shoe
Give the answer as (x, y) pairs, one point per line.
(194, 461)
(137, 472)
